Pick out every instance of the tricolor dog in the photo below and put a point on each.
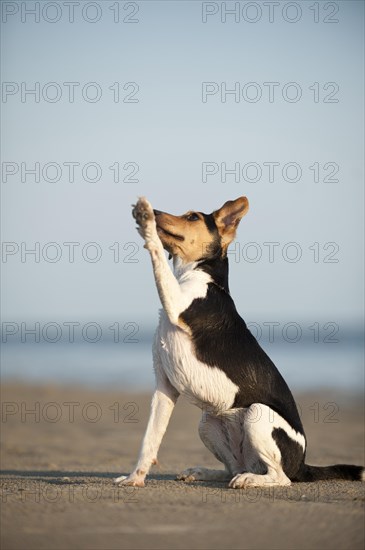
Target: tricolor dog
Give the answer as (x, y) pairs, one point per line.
(204, 351)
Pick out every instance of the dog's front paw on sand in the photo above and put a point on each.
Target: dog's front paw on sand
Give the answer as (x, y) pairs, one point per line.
(145, 218)
(248, 479)
(243, 480)
(131, 481)
(190, 474)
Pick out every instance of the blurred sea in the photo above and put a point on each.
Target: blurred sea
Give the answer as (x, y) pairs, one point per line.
(306, 364)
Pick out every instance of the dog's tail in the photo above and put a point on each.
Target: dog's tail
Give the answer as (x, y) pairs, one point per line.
(338, 471)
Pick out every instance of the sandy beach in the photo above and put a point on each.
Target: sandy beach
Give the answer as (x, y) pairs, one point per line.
(61, 448)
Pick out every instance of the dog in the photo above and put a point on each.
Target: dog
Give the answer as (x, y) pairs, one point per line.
(204, 351)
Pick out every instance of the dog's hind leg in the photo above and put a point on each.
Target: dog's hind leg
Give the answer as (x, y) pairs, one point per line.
(223, 436)
(264, 463)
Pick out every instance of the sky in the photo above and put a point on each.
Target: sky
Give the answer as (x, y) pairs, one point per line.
(165, 99)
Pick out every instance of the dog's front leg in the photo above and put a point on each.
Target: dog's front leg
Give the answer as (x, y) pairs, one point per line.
(167, 286)
(163, 402)
(165, 396)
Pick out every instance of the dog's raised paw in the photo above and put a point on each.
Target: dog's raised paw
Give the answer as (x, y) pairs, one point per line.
(143, 212)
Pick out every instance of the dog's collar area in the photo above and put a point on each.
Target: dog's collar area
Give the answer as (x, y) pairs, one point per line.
(217, 268)
(221, 287)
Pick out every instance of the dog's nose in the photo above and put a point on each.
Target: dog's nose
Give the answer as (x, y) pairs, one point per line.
(157, 212)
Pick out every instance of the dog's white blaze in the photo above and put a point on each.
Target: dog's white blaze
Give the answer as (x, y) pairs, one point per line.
(203, 385)
(193, 283)
(269, 420)
(280, 422)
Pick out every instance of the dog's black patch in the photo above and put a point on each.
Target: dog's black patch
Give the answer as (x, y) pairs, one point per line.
(210, 223)
(213, 249)
(221, 339)
(292, 455)
(217, 268)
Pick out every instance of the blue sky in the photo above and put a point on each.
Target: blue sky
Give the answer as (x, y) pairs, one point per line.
(168, 134)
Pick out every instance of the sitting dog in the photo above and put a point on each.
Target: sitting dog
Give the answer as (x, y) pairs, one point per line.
(204, 351)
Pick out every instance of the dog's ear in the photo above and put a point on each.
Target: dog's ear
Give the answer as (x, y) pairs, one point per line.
(229, 216)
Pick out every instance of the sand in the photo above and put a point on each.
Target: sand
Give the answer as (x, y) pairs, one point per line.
(58, 463)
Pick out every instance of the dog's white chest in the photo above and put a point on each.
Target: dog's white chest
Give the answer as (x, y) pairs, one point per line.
(205, 386)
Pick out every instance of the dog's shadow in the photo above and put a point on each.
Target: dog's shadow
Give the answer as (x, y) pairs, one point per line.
(62, 477)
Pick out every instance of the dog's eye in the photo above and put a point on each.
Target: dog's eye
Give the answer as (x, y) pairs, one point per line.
(192, 217)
